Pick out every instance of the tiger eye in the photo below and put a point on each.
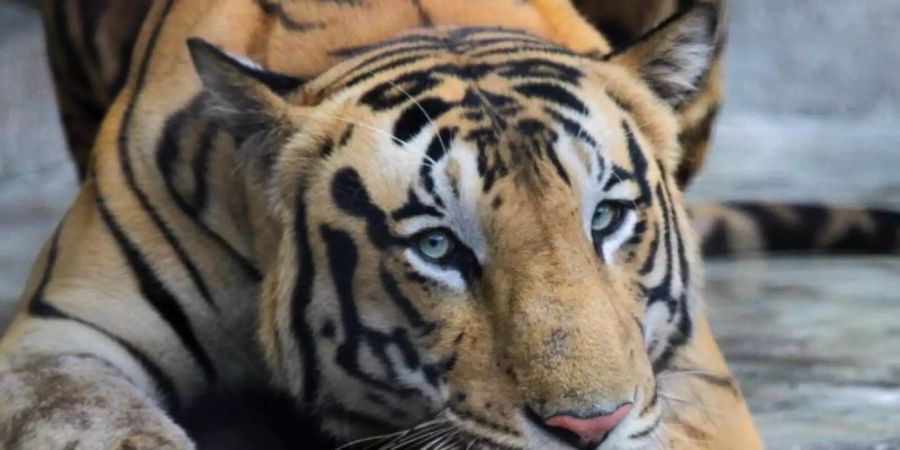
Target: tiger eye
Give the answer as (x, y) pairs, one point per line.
(435, 245)
(605, 217)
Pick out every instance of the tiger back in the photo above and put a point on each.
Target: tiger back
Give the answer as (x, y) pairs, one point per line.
(429, 222)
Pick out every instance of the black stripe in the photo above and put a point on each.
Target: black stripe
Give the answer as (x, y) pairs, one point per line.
(346, 135)
(343, 259)
(403, 303)
(166, 154)
(200, 168)
(66, 39)
(540, 68)
(394, 92)
(511, 50)
(640, 165)
(414, 208)
(802, 228)
(650, 263)
(679, 238)
(124, 54)
(646, 431)
(156, 293)
(651, 403)
(48, 267)
(301, 300)
(436, 151)
(417, 116)
(288, 23)
(663, 291)
(467, 32)
(39, 307)
(573, 128)
(396, 45)
(554, 159)
(128, 171)
(716, 242)
(552, 93)
(424, 18)
(678, 305)
(676, 340)
(350, 195)
(482, 43)
(91, 12)
(151, 287)
(163, 382)
(371, 73)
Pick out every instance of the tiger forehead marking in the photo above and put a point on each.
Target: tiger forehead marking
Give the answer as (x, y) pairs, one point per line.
(525, 100)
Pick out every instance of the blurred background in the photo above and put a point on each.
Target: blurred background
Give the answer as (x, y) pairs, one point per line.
(812, 113)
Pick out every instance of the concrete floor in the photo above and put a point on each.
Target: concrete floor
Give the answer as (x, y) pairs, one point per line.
(812, 113)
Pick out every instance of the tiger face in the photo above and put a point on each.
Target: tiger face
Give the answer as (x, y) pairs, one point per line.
(480, 242)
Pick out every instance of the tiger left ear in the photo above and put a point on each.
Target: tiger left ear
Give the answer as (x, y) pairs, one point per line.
(673, 58)
(246, 100)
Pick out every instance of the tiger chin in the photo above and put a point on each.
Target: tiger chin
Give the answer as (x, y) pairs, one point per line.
(477, 243)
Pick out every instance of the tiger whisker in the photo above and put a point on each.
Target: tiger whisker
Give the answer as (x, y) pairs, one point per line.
(370, 439)
(438, 442)
(415, 439)
(354, 122)
(415, 434)
(681, 436)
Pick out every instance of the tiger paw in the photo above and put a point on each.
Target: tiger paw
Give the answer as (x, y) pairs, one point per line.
(79, 403)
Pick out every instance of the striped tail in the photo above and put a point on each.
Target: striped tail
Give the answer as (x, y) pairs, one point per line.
(735, 229)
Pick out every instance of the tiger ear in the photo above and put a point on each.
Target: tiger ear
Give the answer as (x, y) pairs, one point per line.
(246, 100)
(673, 58)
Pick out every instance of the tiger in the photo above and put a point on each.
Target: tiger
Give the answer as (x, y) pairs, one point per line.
(429, 223)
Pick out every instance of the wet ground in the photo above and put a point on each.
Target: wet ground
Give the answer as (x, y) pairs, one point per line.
(815, 341)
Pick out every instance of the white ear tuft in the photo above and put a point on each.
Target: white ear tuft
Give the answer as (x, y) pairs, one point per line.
(673, 58)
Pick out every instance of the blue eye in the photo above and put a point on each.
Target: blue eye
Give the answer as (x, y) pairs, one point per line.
(606, 218)
(435, 245)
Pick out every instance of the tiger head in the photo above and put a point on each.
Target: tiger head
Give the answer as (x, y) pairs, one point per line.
(480, 241)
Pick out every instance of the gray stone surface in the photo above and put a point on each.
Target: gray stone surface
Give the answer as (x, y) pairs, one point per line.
(814, 342)
(818, 58)
(813, 104)
(37, 180)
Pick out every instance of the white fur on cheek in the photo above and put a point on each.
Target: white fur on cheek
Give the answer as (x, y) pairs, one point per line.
(246, 61)
(614, 241)
(448, 277)
(464, 214)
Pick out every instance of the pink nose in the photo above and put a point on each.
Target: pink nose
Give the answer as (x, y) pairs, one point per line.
(591, 429)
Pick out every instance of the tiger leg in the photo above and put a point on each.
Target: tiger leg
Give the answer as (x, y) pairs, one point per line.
(706, 409)
(83, 365)
(78, 401)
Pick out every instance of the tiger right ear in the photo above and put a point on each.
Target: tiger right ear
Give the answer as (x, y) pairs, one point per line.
(246, 100)
(673, 58)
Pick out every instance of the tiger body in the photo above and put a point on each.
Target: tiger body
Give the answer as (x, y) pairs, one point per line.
(251, 227)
